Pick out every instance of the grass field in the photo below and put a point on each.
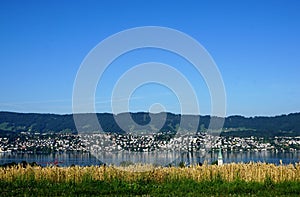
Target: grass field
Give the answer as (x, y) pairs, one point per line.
(256, 179)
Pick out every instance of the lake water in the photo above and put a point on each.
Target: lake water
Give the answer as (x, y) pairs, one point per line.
(87, 159)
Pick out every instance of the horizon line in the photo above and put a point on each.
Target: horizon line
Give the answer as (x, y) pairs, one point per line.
(231, 115)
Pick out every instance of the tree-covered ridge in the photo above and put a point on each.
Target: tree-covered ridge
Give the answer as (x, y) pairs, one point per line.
(283, 125)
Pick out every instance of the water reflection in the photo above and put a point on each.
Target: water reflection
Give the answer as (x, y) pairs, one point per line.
(63, 159)
(160, 158)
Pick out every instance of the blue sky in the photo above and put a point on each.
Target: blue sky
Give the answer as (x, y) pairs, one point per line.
(256, 45)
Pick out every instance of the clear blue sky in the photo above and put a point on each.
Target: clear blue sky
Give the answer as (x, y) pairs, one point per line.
(256, 45)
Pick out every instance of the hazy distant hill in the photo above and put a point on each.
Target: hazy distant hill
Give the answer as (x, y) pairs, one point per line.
(287, 125)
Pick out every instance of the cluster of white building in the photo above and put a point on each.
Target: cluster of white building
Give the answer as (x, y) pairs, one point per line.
(110, 142)
(26, 142)
(189, 143)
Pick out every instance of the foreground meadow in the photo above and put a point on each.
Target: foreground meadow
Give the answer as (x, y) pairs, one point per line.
(231, 179)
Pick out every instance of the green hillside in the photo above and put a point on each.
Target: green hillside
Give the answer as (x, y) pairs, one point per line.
(283, 125)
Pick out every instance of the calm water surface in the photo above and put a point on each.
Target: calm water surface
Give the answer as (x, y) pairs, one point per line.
(87, 159)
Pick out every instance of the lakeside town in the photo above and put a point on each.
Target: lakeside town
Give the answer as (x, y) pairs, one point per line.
(26, 142)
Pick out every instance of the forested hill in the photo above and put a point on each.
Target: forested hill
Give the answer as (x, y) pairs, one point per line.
(283, 125)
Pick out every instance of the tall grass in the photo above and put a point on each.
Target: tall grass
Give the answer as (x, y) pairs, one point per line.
(252, 172)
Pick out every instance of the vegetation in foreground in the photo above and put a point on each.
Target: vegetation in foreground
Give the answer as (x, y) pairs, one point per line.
(231, 179)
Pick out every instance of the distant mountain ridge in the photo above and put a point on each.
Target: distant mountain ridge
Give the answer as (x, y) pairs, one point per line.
(282, 125)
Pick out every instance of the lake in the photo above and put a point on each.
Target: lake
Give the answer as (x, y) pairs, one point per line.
(87, 159)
